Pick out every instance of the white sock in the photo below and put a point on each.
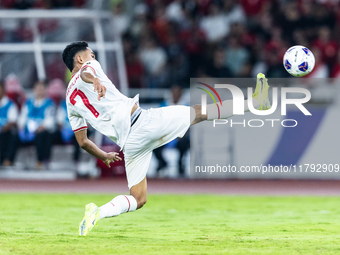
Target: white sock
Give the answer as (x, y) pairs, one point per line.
(226, 109)
(118, 205)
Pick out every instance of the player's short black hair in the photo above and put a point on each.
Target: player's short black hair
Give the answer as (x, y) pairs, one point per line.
(70, 51)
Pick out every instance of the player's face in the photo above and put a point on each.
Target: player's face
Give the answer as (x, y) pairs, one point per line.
(89, 55)
(84, 56)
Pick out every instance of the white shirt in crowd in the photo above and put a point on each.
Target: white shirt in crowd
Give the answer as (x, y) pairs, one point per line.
(48, 122)
(12, 114)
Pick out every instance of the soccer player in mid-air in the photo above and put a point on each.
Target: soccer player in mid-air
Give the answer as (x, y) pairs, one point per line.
(91, 97)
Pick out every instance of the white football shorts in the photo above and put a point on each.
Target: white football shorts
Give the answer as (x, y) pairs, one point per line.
(153, 128)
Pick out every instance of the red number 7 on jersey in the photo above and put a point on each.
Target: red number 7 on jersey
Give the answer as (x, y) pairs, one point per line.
(85, 100)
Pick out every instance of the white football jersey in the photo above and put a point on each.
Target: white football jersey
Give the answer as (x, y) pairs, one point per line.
(111, 116)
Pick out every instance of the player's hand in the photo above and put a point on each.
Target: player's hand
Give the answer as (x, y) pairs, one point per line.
(111, 157)
(99, 88)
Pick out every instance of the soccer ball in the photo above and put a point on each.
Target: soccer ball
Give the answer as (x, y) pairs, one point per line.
(298, 61)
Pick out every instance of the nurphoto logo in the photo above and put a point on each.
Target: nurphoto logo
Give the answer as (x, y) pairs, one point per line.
(238, 103)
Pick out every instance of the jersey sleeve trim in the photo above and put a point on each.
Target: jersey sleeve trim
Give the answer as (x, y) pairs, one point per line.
(90, 67)
(81, 128)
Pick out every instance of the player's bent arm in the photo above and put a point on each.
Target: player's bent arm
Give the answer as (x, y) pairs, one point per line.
(88, 76)
(87, 145)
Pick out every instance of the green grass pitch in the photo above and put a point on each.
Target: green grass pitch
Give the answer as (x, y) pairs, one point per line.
(172, 224)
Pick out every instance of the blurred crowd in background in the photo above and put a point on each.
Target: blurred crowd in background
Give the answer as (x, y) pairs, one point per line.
(168, 41)
(41, 4)
(171, 41)
(165, 42)
(39, 120)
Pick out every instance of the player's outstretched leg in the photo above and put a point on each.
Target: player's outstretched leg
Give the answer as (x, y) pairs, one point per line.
(118, 205)
(125, 203)
(225, 110)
